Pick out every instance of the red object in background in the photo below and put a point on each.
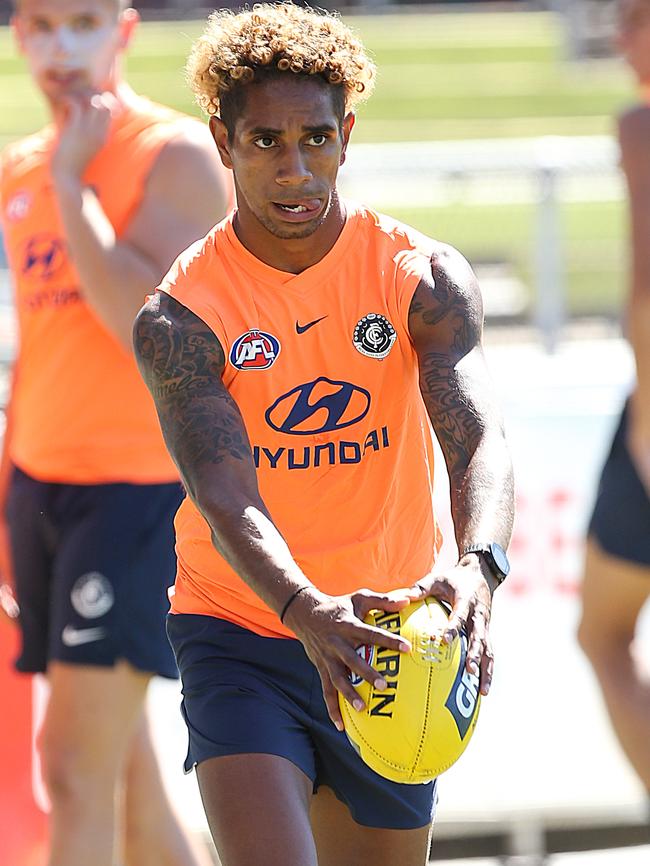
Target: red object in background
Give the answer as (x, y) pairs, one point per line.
(23, 826)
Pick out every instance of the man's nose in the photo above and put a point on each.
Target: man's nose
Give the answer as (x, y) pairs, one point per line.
(64, 41)
(293, 168)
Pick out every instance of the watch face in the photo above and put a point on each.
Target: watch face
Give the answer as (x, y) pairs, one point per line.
(500, 558)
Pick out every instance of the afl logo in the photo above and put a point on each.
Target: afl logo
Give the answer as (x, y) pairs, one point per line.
(18, 206)
(254, 350)
(374, 336)
(365, 652)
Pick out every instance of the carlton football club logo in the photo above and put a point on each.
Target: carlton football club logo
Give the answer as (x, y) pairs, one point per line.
(254, 350)
(374, 336)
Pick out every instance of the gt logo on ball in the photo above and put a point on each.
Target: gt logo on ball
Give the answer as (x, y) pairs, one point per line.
(466, 694)
(463, 697)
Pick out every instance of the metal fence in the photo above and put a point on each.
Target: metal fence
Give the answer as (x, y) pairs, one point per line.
(542, 220)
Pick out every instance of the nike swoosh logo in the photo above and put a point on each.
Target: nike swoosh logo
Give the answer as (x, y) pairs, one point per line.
(72, 636)
(300, 329)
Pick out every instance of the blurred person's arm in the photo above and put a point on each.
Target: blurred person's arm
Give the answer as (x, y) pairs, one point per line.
(634, 138)
(185, 196)
(8, 605)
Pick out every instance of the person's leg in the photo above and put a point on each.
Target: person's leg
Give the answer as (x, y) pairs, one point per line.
(340, 841)
(89, 724)
(32, 566)
(108, 604)
(257, 808)
(613, 593)
(152, 832)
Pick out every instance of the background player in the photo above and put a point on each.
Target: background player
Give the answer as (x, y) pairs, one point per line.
(294, 356)
(94, 209)
(617, 569)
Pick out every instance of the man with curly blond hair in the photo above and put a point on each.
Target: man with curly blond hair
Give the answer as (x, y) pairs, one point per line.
(298, 356)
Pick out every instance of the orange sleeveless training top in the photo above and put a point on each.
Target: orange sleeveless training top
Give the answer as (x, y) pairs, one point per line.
(81, 413)
(322, 367)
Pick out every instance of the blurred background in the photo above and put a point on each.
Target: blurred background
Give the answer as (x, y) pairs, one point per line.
(491, 129)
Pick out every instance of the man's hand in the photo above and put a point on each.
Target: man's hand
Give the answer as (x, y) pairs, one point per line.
(331, 628)
(83, 135)
(8, 604)
(465, 588)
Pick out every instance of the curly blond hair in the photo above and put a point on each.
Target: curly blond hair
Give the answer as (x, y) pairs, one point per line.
(279, 37)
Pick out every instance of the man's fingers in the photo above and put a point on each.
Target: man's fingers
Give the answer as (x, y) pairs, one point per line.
(330, 694)
(432, 586)
(8, 603)
(487, 670)
(364, 601)
(339, 677)
(457, 621)
(381, 637)
(356, 664)
(477, 633)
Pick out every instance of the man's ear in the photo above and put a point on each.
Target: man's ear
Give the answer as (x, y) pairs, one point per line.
(348, 124)
(220, 135)
(16, 27)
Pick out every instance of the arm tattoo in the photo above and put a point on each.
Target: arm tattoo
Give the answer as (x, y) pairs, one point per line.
(445, 322)
(457, 426)
(182, 361)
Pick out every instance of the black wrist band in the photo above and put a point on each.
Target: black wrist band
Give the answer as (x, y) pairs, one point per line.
(290, 599)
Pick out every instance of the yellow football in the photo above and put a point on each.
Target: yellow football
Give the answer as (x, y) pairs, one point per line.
(421, 724)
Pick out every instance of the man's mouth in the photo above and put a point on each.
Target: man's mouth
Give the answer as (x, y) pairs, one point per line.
(294, 208)
(303, 208)
(64, 76)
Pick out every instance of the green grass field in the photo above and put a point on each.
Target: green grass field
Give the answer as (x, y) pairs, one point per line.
(441, 76)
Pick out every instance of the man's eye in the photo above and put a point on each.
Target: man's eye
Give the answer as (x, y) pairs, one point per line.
(85, 22)
(318, 140)
(40, 26)
(265, 142)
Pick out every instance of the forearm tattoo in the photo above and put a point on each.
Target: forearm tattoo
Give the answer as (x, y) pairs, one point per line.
(182, 361)
(447, 313)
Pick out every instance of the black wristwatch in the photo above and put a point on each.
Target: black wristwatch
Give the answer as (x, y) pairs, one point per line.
(495, 557)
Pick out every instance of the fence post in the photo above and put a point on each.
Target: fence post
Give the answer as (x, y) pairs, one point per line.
(550, 279)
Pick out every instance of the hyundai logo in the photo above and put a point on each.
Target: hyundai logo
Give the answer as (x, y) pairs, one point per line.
(44, 255)
(320, 406)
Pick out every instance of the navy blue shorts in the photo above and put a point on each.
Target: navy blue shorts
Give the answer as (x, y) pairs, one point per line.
(92, 565)
(243, 694)
(620, 522)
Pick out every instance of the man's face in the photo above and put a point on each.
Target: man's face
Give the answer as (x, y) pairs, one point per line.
(285, 151)
(71, 46)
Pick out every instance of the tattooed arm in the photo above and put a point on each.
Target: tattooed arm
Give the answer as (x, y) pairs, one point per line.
(445, 323)
(182, 363)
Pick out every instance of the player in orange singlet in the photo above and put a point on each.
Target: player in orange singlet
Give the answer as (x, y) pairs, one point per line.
(616, 584)
(298, 356)
(94, 209)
